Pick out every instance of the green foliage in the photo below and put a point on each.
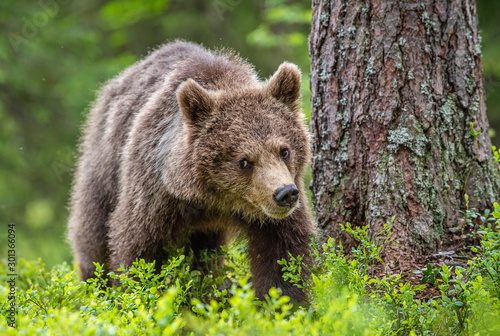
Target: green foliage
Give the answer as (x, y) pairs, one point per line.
(368, 251)
(488, 11)
(431, 274)
(473, 132)
(496, 154)
(345, 298)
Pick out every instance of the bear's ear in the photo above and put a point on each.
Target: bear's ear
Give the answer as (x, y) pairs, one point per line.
(284, 85)
(195, 102)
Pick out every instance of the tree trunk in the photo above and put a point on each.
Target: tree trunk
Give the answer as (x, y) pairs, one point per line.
(395, 86)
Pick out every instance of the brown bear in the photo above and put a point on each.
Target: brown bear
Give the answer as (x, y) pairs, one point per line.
(188, 148)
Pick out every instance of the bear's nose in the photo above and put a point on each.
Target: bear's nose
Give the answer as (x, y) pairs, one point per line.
(286, 196)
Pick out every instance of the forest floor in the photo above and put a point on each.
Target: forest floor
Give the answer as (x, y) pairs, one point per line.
(454, 252)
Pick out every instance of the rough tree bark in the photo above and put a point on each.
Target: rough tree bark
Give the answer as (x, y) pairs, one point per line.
(395, 86)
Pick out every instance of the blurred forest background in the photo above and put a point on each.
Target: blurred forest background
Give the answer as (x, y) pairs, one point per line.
(55, 54)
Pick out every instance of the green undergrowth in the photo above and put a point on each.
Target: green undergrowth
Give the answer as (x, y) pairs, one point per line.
(344, 298)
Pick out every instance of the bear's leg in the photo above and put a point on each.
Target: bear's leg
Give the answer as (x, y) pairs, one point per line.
(87, 226)
(274, 241)
(201, 243)
(138, 232)
(128, 245)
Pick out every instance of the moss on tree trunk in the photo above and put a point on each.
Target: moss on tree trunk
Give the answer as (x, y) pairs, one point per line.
(395, 86)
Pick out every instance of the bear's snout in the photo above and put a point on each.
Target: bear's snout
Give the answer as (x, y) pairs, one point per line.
(286, 196)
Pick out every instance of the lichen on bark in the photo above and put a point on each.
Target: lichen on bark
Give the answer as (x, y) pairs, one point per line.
(395, 86)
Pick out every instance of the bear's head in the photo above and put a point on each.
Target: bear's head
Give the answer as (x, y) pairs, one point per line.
(250, 144)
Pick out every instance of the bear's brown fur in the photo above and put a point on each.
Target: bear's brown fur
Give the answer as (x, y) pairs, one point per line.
(187, 147)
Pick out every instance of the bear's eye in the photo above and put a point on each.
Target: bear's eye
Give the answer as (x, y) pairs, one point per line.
(245, 164)
(285, 153)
